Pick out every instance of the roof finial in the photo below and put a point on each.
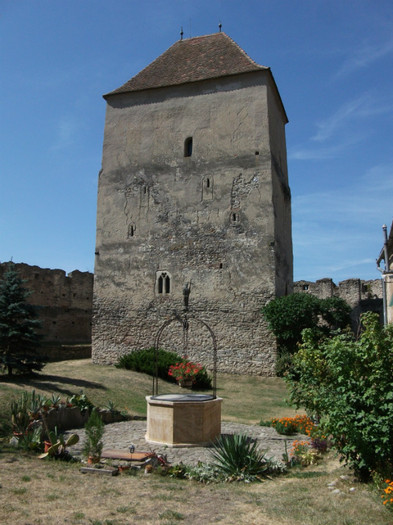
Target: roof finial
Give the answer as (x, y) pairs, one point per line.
(181, 33)
(220, 26)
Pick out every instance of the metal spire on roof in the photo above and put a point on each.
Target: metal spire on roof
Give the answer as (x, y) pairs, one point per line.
(220, 26)
(181, 33)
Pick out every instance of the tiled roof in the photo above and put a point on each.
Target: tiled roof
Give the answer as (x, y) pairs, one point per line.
(191, 60)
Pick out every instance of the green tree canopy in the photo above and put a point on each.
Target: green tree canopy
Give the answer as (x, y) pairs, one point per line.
(289, 315)
(19, 339)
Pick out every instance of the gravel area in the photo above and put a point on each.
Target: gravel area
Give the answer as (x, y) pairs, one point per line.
(120, 436)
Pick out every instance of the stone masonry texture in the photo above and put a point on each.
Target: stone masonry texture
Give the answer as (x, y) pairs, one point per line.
(63, 304)
(193, 189)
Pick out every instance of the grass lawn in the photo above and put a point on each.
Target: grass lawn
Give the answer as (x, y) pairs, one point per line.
(246, 399)
(33, 491)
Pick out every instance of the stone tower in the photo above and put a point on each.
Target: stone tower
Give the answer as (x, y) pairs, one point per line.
(193, 189)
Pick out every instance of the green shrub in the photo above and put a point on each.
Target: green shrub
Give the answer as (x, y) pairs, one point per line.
(202, 380)
(81, 401)
(348, 384)
(289, 315)
(144, 361)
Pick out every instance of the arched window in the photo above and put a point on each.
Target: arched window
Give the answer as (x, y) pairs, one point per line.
(188, 147)
(163, 283)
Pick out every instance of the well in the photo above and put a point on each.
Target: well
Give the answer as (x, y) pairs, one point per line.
(183, 420)
(186, 419)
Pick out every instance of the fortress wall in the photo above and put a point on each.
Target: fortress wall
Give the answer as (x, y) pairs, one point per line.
(361, 295)
(63, 302)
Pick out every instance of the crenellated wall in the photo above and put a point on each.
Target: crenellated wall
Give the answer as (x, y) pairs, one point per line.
(361, 295)
(63, 302)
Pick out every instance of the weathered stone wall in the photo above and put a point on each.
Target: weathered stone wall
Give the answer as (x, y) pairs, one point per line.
(121, 330)
(219, 218)
(362, 296)
(63, 302)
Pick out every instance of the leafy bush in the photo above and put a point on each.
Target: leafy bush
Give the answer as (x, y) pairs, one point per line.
(81, 401)
(239, 459)
(348, 383)
(289, 315)
(202, 380)
(144, 361)
(205, 473)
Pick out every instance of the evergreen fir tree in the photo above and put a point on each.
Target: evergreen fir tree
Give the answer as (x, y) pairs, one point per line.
(19, 340)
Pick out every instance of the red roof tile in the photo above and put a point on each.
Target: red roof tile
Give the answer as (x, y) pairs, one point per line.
(191, 60)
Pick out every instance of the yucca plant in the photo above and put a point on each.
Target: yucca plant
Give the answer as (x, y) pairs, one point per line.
(239, 458)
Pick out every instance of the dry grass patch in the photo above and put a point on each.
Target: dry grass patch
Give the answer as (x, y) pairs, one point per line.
(250, 399)
(58, 493)
(247, 399)
(41, 492)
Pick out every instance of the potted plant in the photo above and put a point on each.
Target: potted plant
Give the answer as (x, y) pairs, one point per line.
(57, 445)
(94, 429)
(185, 372)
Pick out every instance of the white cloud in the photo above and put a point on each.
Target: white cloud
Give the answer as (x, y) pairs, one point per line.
(346, 127)
(346, 112)
(365, 56)
(363, 106)
(322, 153)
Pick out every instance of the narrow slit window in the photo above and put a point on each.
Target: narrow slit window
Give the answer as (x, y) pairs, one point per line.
(131, 230)
(207, 183)
(188, 147)
(234, 217)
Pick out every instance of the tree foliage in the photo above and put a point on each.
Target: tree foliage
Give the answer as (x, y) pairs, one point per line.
(348, 383)
(289, 315)
(19, 340)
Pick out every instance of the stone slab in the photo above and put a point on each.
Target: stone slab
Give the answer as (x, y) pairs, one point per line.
(125, 456)
(183, 424)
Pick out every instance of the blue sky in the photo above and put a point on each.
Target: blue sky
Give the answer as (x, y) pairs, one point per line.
(332, 61)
